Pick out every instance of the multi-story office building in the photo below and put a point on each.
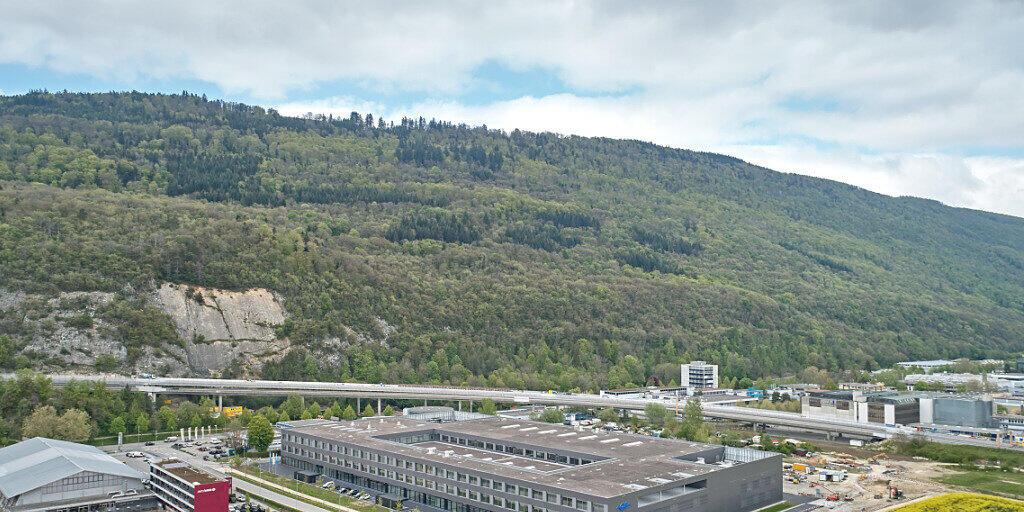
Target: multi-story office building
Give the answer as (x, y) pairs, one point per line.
(47, 475)
(183, 488)
(698, 375)
(494, 464)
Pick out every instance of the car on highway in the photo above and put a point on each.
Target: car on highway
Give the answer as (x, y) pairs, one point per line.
(150, 443)
(134, 455)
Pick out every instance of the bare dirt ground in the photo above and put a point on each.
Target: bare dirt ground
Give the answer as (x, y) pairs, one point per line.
(866, 483)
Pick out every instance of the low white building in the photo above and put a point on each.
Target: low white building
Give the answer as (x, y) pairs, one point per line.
(927, 366)
(1012, 382)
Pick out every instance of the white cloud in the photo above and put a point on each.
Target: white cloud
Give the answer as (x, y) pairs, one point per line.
(912, 81)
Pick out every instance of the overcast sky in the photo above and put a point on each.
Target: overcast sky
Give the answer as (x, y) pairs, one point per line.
(903, 98)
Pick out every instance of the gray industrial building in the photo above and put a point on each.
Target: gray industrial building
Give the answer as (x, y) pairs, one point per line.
(960, 411)
(891, 408)
(883, 407)
(58, 476)
(494, 464)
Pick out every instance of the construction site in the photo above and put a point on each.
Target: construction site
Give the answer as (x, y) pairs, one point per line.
(862, 482)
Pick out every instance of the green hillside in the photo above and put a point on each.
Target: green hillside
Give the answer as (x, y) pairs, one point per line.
(520, 260)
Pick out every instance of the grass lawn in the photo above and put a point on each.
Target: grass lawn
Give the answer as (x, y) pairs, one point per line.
(990, 482)
(301, 488)
(778, 507)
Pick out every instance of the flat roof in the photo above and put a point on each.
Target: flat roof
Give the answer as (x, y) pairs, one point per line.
(623, 463)
(188, 473)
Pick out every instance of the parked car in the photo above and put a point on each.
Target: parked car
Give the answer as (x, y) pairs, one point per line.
(150, 443)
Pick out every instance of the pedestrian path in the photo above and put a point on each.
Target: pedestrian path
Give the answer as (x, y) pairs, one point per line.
(284, 499)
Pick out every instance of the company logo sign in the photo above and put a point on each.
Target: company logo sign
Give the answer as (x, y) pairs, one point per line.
(208, 489)
(623, 506)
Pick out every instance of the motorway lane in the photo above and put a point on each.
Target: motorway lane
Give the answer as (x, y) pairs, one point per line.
(401, 391)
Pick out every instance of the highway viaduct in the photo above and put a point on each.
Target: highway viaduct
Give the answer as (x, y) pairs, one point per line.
(236, 387)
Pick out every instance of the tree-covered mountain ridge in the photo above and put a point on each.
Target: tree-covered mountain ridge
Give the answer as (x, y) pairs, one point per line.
(415, 250)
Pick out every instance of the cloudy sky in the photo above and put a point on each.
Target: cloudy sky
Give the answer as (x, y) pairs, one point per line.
(903, 98)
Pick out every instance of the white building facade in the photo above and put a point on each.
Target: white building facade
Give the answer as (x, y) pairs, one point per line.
(698, 375)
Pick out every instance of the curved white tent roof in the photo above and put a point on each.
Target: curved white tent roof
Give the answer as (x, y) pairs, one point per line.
(40, 461)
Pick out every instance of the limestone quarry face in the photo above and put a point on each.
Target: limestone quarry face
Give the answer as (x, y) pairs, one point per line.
(219, 326)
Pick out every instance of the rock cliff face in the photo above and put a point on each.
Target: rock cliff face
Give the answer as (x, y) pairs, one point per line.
(68, 332)
(219, 326)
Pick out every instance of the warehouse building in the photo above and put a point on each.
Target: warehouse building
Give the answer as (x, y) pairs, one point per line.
(960, 411)
(927, 366)
(891, 408)
(183, 488)
(494, 464)
(48, 475)
(883, 407)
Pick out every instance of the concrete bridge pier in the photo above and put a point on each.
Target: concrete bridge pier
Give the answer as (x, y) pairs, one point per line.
(380, 412)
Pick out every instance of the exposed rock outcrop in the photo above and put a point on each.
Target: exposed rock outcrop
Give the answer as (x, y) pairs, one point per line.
(219, 326)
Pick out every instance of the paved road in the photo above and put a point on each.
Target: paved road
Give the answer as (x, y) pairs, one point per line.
(407, 391)
(164, 450)
(403, 391)
(256, 490)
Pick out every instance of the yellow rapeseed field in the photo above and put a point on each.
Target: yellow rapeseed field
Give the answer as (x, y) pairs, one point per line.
(965, 502)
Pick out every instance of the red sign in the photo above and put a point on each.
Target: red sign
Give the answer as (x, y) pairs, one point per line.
(212, 497)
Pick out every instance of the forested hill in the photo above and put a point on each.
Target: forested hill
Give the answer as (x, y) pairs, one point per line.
(423, 251)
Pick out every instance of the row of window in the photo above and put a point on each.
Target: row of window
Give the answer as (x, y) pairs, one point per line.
(75, 483)
(514, 450)
(469, 494)
(427, 469)
(456, 440)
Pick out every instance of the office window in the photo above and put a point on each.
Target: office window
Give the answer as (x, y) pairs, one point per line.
(566, 501)
(538, 495)
(582, 505)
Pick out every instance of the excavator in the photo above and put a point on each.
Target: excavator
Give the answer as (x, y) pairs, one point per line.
(893, 492)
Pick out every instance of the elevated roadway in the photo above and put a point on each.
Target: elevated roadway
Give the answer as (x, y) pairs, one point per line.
(236, 387)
